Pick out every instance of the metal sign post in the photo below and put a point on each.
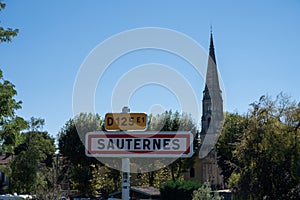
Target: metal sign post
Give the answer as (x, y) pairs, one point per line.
(125, 178)
(125, 170)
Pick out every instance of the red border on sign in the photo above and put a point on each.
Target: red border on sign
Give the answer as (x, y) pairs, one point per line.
(110, 135)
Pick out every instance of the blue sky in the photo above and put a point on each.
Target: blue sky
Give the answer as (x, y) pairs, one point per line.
(256, 43)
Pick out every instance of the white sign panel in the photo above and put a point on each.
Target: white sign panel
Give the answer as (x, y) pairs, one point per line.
(139, 144)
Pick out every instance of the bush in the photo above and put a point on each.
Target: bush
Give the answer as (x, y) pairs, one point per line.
(205, 193)
(181, 190)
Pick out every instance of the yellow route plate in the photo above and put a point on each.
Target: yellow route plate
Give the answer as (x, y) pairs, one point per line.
(125, 121)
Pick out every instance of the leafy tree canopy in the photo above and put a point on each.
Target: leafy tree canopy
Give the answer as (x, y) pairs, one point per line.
(10, 124)
(7, 34)
(30, 168)
(83, 168)
(174, 190)
(229, 139)
(204, 193)
(260, 152)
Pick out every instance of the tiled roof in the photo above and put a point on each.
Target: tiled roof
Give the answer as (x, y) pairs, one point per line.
(143, 190)
(149, 191)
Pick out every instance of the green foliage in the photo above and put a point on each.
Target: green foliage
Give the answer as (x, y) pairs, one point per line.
(8, 104)
(32, 164)
(73, 150)
(10, 124)
(269, 150)
(36, 124)
(6, 35)
(170, 121)
(178, 190)
(49, 194)
(233, 180)
(106, 179)
(10, 133)
(265, 156)
(229, 139)
(71, 136)
(204, 193)
(153, 178)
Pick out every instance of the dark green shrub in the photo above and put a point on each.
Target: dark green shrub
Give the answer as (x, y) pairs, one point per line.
(178, 190)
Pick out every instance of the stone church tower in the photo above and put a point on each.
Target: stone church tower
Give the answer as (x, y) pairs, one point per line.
(206, 168)
(212, 103)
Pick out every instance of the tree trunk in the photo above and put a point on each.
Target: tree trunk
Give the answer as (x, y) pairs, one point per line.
(179, 171)
(173, 173)
(151, 178)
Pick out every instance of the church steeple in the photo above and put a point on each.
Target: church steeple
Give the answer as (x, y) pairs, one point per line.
(212, 48)
(212, 103)
(211, 121)
(212, 79)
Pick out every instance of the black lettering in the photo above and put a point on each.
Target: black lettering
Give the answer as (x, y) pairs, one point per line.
(166, 144)
(175, 143)
(138, 120)
(101, 144)
(125, 175)
(128, 143)
(156, 144)
(110, 144)
(131, 121)
(110, 121)
(137, 144)
(146, 144)
(120, 146)
(124, 120)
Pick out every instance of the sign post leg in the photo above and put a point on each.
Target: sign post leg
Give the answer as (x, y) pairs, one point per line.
(125, 178)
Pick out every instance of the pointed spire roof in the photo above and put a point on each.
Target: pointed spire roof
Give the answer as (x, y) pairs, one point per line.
(212, 104)
(212, 79)
(212, 48)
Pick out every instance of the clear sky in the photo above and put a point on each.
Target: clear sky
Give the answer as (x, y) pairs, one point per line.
(256, 43)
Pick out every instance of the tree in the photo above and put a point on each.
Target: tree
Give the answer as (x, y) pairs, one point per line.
(71, 136)
(10, 124)
(204, 193)
(153, 178)
(6, 35)
(169, 121)
(178, 190)
(229, 140)
(70, 145)
(31, 167)
(267, 155)
(107, 180)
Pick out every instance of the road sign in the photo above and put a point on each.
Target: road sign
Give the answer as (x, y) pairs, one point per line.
(125, 121)
(139, 144)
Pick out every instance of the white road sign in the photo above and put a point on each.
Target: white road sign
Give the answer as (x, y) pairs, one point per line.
(139, 144)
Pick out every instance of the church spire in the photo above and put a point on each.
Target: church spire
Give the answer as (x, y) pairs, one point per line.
(212, 79)
(212, 48)
(212, 103)
(211, 121)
